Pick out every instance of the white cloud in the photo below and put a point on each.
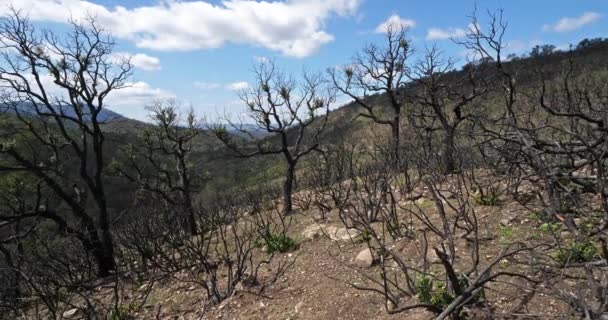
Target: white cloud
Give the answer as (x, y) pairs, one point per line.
(240, 85)
(145, 62)
(131, 101)
(261, 59)
(572, 23)
(207, 85)
(294, 27)
(141, 60)
(442, 34)
(234, 86)
(394, 20)
(449, 33)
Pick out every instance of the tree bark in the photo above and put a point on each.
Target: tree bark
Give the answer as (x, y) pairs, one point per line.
(184, 182)
(103, 252)
(396, 139)
(288, 188)
(449, 150)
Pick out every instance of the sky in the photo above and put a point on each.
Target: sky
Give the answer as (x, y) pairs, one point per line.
(202, 52)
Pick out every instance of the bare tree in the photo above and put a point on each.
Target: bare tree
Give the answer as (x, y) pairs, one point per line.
(295, 115)
(62, 142)
(551, 139)
(162, 163)
(443, 100)
(379, 70)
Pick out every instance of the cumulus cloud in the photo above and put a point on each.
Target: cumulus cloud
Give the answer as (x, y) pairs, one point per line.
(393, 21)
(261, 59)
(234, 86)
(449, 33)
(131, 101)
(207, 85)
(141, 60)
(572, 23)
(145, 62)
(294, 27)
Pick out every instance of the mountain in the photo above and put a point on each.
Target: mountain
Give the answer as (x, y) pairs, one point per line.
(27, 108)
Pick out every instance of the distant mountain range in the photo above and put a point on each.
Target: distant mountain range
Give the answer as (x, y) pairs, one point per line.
(107, 115)
(26, 108)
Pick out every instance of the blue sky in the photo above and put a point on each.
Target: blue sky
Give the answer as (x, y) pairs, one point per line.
(201, 51)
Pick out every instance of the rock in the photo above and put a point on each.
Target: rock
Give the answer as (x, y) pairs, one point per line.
(420, 201)
(337, 234)
(505, 221)
(312, 232)
(299, 306)
(342, 234)
(70, 313)
(364, 259)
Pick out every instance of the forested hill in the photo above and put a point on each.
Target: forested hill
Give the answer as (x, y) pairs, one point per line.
(589, 57)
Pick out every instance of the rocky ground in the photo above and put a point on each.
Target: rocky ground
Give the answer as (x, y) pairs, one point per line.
(328, 261)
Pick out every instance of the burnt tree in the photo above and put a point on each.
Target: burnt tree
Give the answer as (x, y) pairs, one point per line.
(379, 70)
(293, 113)
(56, 90)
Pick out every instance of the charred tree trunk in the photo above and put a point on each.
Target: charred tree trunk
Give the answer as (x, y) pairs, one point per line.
(185, 195)
(396, 139)
(449, 160)
(288, 188)
(103, 252)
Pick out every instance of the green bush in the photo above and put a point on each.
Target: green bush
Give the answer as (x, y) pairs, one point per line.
(365, 235)
(277, 243)
(551, 228)
(507, 234)
(580, 251)
(431, 292)
(436, 293)
(488, 198)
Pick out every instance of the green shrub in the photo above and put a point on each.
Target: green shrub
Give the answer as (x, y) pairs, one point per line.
(580, 251)
(365, 235)
(424, 288)
(551, 228)
(488, 198)
(507, 234)
(431, 292)
(277, 243)
(436, 292)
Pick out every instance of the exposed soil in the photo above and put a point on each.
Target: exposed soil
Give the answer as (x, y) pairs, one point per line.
(319, 283)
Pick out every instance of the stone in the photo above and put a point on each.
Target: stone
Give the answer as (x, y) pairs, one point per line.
(312, 232)
(342, 234)
(364, 259)
(70, 313)
(337, 234)
(299, 306)
(420, 201)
